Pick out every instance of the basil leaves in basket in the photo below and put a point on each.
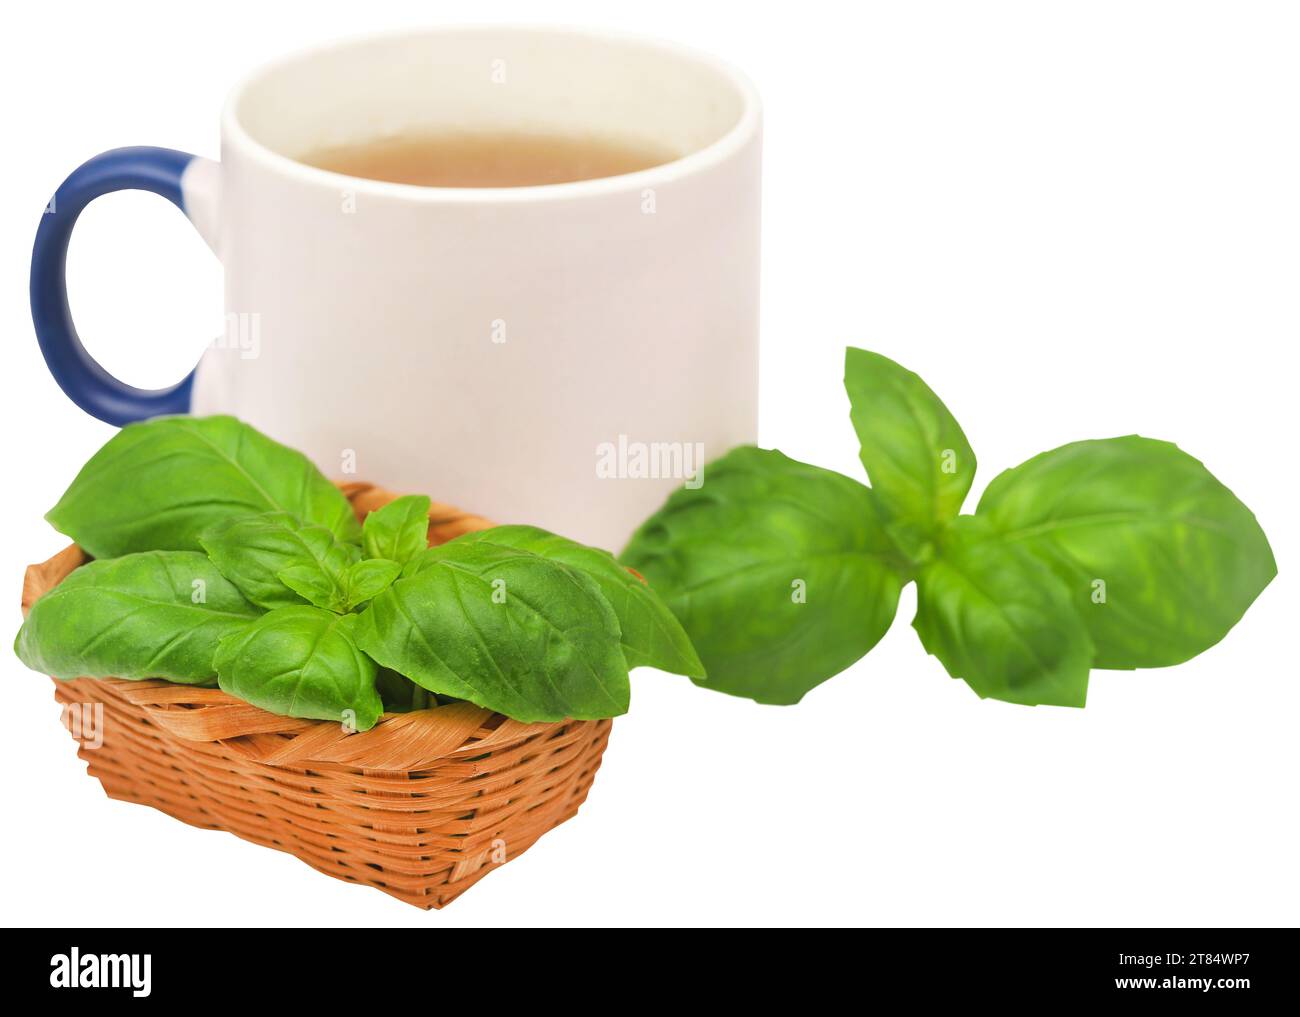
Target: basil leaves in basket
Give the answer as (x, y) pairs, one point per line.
(226, 558)
(1115, 553)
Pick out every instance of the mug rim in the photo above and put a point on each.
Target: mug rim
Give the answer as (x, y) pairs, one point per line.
(715, 152)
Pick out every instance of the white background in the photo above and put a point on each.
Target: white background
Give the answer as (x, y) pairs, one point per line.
(1074, 220)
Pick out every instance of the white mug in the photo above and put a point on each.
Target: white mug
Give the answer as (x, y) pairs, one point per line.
(562, 354)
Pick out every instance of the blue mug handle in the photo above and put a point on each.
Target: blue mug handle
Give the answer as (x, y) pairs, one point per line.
(78, 373)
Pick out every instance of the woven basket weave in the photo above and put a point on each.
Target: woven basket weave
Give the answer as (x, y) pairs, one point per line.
(421, 806)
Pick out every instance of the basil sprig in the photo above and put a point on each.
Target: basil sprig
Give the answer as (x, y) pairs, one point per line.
(296, 606)
(1113, 553)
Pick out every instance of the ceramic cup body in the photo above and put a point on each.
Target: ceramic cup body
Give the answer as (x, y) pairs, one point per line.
(562, 355)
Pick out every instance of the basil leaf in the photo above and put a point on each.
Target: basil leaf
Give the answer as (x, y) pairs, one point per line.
(999, 619)
(780, 572)
(159, 484)
(917, 457)
(367, 579)
(156, 614)
(310, 586)
(1160, 559)
(398, 531)
(302, 662)
(505, 629)
(278, 561)
(400, 694)
(651, 635)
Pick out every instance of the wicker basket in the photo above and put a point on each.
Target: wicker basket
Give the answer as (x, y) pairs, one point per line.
(421, 806)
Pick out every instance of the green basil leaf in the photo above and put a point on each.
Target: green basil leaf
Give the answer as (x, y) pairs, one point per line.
(780, 572)
(279, 561)
(651, 635)
(310, 586)
(367, 579)
(1160, 559)
(400, 694)
(917, 457)
(398, 531)
(999, 619)
(302, 662)
(155, 614)
(159, 484)
(505, 629)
